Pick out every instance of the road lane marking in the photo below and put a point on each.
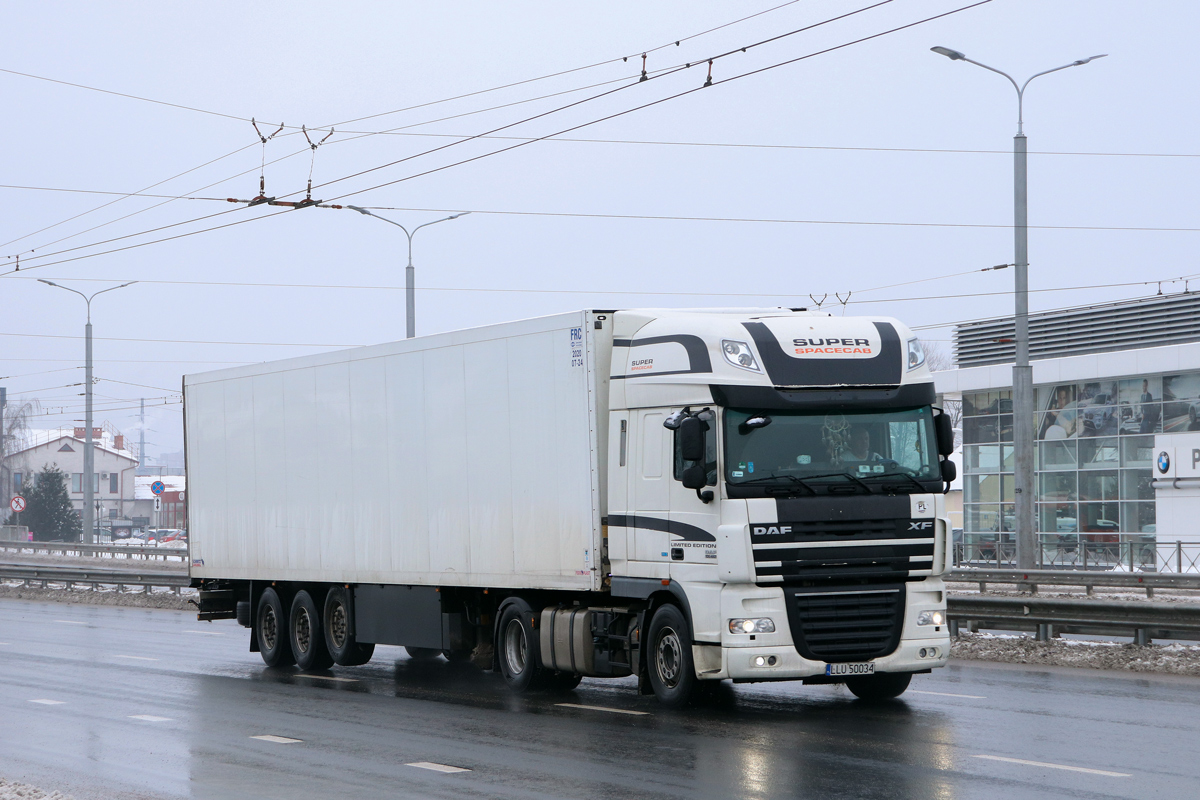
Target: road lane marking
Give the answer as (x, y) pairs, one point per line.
(948, 694)
(326, 678)
(49, 702)
(603, 708)
(137, 658)
(70, 622)
(207, 633)
(276, 739)
(1103, 772)
(150, 718)
(437, 767)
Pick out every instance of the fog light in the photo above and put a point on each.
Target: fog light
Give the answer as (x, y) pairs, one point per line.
(921, 653)
(772, 661)
(759, 661)
(931, 618)
(760, 625)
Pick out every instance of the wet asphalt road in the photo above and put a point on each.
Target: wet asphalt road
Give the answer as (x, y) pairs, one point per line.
(206, 696)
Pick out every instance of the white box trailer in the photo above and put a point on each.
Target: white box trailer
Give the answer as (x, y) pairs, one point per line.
(681, 495)
(471, 458)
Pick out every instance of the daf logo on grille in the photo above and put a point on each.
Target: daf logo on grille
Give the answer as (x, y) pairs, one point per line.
(771, 530)
(920, 526)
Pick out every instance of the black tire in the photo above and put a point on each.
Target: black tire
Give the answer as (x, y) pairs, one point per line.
(517, 648)
(422, 653)
(307, 633)
(271, 630)
(669, 657)
(876, 688)
(337, 623)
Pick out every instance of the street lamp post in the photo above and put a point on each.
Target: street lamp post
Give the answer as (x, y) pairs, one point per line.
(89, 455)
(410, 273)
(1023, 407)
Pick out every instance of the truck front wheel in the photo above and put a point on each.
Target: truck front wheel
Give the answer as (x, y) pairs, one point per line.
(669, 657)
(271, 629)
(882, 686)
(515, 646)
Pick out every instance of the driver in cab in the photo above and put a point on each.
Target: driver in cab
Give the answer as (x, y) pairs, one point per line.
(859, 449)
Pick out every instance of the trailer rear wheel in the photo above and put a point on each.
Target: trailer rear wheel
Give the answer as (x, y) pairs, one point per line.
(307, 636)
(337, 625)
(271, 630)
(881, 686)
(516, 643)
(669, 656)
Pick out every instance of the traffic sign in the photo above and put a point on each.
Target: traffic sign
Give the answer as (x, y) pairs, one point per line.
(158, 487)
(158, 504)
(17, 504)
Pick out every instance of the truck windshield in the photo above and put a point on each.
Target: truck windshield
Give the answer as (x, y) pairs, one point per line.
(854, 446)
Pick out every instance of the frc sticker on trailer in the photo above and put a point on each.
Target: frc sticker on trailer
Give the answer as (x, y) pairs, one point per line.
(576, 347)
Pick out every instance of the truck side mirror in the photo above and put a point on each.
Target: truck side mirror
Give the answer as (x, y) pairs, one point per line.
(949, 471)
(694, 477)
(945, 434)
(691, 440)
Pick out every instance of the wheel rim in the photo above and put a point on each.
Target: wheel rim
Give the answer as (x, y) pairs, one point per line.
(270, 628)
(337, 626)
(668, 657)
(303, 630)
(516, 650)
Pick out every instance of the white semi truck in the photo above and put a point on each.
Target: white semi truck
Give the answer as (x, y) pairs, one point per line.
(679, 495)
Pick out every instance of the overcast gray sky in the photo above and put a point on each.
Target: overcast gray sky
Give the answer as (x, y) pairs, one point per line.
(872, 134)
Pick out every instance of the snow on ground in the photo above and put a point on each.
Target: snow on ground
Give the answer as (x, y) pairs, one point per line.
(105, 596)
(1174, 659)
(11, 790)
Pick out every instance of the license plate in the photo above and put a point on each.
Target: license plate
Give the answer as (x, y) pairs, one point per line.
(835, 670)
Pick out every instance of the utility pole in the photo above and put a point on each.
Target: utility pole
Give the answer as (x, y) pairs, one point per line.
(89, 453)
(1025, 492)
(142, 436)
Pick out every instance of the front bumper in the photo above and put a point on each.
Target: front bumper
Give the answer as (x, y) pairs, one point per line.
(739, 663)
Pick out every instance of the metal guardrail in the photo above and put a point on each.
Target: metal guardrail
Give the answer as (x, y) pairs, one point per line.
(1081, 551)
(113, 577)
(1145, 620)
(1086, 578)
(147, 551)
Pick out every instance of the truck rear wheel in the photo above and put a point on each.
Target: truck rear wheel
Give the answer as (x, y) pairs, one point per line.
(883, 686)
(669, 657)
(337, 624)
(307, 638)
(271, 630)
(516, 648)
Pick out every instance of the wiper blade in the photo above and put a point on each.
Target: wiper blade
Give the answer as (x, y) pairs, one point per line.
(764, 479)
(904, 475)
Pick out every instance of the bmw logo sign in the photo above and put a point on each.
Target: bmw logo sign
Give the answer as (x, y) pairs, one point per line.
(1164, 462)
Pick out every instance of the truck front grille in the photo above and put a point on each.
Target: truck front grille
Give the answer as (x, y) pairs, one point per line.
(849, 551)
(846, 625)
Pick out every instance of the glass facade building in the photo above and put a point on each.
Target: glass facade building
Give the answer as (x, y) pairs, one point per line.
(1094, 454)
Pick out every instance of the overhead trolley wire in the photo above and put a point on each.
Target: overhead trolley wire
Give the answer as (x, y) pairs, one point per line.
(572, 128)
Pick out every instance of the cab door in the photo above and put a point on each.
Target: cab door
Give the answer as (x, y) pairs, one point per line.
(694, 520)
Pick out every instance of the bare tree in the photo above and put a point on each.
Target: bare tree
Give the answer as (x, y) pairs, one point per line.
(936, 357)
(14, 437)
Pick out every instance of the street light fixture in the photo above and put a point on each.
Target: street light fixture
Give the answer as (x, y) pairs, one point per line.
(89, 455)
(1023, 407)
(410, 288)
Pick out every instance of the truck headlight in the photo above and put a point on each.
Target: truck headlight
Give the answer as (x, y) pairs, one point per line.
(739, 354)
(931, 618)
(759, 625)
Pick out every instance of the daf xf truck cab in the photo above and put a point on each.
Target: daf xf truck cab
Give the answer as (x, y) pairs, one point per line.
(679, 495)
